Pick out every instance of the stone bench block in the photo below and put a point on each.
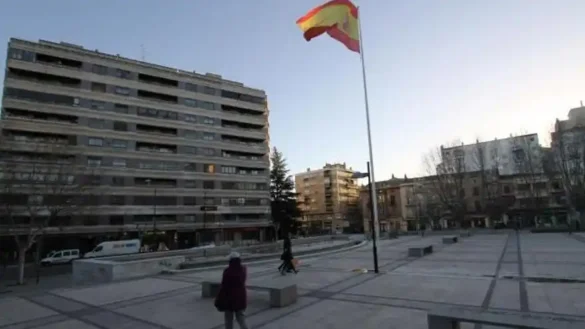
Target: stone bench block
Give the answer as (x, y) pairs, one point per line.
(451, 318)
(282, 294)
(450, 239)
(420, 251)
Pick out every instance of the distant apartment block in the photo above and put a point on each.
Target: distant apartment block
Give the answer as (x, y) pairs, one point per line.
(186, 151)
(507, 155)
(328, 197)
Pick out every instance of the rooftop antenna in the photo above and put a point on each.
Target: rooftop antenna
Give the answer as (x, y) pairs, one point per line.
(142, 53)
(581, 103)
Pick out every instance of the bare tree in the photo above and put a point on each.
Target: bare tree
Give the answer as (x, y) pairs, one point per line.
(429, 209)
(486, 161)
(448, 171)
(37, 192)
(566, 163)
(528, 160)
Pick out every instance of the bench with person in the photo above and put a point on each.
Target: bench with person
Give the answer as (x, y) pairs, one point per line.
(452, 317)
(420, 251)
(450, 239)
(281, 293)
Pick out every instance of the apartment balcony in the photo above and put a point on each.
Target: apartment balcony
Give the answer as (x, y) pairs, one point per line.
(157, 97)
(156, 80)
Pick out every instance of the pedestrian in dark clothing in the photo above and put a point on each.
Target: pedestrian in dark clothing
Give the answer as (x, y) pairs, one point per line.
(287, 257)
(232, 299)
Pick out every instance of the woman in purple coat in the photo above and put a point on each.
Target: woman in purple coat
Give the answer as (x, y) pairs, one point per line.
(232, 299)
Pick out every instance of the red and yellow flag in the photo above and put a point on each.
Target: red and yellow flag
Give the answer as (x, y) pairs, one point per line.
(339, 18)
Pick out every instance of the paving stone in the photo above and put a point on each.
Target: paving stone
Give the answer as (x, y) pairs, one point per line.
(331, 295)
(14, 310)
(120, 291)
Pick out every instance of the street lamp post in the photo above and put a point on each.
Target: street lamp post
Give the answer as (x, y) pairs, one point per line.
(372, 211)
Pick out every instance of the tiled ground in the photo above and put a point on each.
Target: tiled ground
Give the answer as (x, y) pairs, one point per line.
(498, 271)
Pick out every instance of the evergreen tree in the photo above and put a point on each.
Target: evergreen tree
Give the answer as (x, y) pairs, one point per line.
(283, 198)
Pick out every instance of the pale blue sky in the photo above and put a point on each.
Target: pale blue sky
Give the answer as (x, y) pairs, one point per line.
(437, 70)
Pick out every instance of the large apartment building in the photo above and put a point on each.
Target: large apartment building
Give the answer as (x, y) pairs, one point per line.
(507, 155)
(328, 197)
(169, 150)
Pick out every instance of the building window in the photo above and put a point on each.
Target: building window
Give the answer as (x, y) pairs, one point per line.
(264, 202)
(476, 191)
(241, 201)
(122, 91)
(392, 200)
(120, 144)
(94, 161)
(190, 118)
(117, 200)
(208, 121)
(189, 201)
(98, 87)
(208, 201)
(190, 184)
(209, 90)
(118, 181)
(225, 202)
(94, 141)
(254, 172)
(477, 205)
(120, 126)
(22, 55)
(99, 69)
(94, 180)
(228, 170)
(207, 151)
(209, 168)
(190, 102)
(191, 86)
(121, 108)
(506, 189)
(209, 185)
(190, 149)
(119, 163)
(190, 167)
(207, 105)
(97, 105)
(190, 135)
(122, 74)
(208, 136)
(97, 123)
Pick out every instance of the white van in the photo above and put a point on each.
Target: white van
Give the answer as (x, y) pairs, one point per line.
(60, 257)
(112, 248)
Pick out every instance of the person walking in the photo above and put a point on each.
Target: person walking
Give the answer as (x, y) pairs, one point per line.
(287, 258)
(231, 298)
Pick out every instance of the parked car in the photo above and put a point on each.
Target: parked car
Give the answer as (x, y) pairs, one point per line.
(60, 257)
(112, 248)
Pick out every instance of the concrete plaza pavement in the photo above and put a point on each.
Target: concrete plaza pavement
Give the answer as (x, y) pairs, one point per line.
(524, 272)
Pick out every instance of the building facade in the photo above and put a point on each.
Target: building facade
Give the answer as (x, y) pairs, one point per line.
(390, 206)
(508, 155)
(328, 197)
(170, 150)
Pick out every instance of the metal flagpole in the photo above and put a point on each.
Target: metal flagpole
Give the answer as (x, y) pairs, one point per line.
(375, 198)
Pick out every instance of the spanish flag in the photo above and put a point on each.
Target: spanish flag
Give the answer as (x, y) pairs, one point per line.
(339, 18)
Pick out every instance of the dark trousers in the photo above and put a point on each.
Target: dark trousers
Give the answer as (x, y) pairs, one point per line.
(286, 266)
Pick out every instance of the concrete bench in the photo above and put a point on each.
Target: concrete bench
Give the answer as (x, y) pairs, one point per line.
(420, 251)
(450, 318)
(465, 234)
(281, 293)
(450, 239)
